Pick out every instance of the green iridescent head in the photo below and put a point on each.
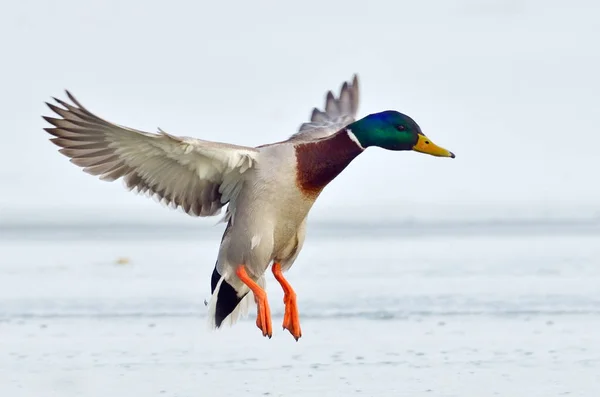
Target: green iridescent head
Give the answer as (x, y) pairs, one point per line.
(394, 131)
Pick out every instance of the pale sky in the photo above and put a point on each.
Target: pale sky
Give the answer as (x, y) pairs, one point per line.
(511, 87)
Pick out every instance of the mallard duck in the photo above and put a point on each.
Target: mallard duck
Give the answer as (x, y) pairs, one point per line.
(269, 189)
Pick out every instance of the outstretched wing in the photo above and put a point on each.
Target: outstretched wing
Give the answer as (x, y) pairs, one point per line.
(198, 176)
(338, 113)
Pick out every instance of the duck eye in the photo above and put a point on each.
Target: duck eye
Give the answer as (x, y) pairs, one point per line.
(400, 128)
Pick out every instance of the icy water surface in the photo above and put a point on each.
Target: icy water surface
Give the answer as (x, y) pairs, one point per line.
(384, 313)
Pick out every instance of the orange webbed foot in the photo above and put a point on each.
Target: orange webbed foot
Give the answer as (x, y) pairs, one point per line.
(263, 315)
(291, 318)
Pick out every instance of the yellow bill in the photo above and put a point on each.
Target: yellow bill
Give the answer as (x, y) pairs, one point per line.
(424, 145)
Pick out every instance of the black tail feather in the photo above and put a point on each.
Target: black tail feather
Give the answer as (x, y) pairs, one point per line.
(227, 299)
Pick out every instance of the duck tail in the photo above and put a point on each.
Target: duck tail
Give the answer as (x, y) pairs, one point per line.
(225, 304)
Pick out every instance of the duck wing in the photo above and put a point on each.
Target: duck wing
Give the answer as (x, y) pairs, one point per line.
(196, 175)
(337, 114)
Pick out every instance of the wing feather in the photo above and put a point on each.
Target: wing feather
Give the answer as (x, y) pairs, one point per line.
(338, 113)
(196, 175)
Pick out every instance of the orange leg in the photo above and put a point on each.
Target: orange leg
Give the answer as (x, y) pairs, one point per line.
(263, 317)
(291, 319)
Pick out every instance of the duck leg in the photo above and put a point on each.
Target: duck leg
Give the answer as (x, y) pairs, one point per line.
(263, 316)
(291, 318)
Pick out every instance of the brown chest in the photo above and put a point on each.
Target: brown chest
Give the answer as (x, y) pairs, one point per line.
(319, 162)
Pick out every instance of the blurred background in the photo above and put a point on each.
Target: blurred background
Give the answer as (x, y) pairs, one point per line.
(462, 273)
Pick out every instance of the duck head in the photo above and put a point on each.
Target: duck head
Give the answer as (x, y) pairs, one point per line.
(393, 130)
